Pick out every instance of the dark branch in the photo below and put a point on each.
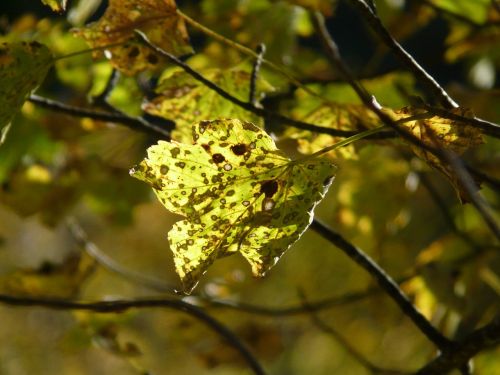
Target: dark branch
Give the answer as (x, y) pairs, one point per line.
(443, 155)
(250, 107)
(261, 49)
(118, 306)
(376, 24)
(385, 282)
(481, 339)
(321, 325)
(134, 123)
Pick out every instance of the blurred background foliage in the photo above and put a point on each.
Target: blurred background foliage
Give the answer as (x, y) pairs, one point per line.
(384, 199)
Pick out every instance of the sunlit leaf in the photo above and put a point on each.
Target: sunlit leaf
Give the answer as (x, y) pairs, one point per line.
(338, 116)
(238, 192)
(186, 101)
(157, 19)
(23, 66)
(56, 5)
(476, 10)
(444, 134)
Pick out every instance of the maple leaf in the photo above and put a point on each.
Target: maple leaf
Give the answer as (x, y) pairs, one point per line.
(23, 66)
(56, 5)
(238, 192)
(157, 19)
(186, 101)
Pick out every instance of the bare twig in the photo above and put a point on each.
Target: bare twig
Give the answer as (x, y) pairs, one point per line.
(347, 345)
(386, 283)
(374, 21)
(118, 306)
(261, 49)
(135, 123)
(475, 198)
(443, 155)
(481, 339)
(111, 265)
(248, 106)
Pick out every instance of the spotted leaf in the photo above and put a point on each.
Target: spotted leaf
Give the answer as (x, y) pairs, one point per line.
(157, 19)
(441, 133)
(23, 66)
(238, 193)
(185, 100)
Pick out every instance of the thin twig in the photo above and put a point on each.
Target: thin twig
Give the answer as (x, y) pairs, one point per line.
(386, 283)
(475, 198)
(111, 265)
(321, 325)
(261, 49)
(370, 101)
(374, 21)
(118, 306)
(134, 123)
(248, 106)
(479, 340)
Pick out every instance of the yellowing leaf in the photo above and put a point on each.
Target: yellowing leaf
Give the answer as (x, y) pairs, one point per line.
(23, 66)
(186, 101)
(443, 134)
(238, 192)
(157, 19)
(56, 5)
(333, 115)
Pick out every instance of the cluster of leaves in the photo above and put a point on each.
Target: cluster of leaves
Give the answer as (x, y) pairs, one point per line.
(224, 170)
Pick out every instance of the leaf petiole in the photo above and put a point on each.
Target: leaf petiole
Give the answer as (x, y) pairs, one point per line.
(87, 50)
(344, 142)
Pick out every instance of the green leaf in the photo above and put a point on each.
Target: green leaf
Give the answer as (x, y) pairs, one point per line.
(157, 19)
(23, 66)
(238, 192)
(476, 10)
(56, 5)
(186, 101)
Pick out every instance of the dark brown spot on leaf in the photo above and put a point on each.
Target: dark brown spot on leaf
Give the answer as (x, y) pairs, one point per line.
(218, 158)
(239, 149)
(269, 188)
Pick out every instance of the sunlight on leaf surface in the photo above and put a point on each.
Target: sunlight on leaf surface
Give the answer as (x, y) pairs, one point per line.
(238, 192)
(23, 66)
(157, 19)
(186, 101)
(441, 133)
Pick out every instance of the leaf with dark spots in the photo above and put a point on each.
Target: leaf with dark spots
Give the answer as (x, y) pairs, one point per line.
(246, 207)
(157, 19)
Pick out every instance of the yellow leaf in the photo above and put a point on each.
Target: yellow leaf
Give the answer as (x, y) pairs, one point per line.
(157, 19)
(238, 192)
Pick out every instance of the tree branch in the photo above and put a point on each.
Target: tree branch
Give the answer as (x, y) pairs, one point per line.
(385, 282)
(376, 24)
(351, 349)
(134, 123)
(118, 306)
(481, 339)
(249, 106)
(261, 49)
